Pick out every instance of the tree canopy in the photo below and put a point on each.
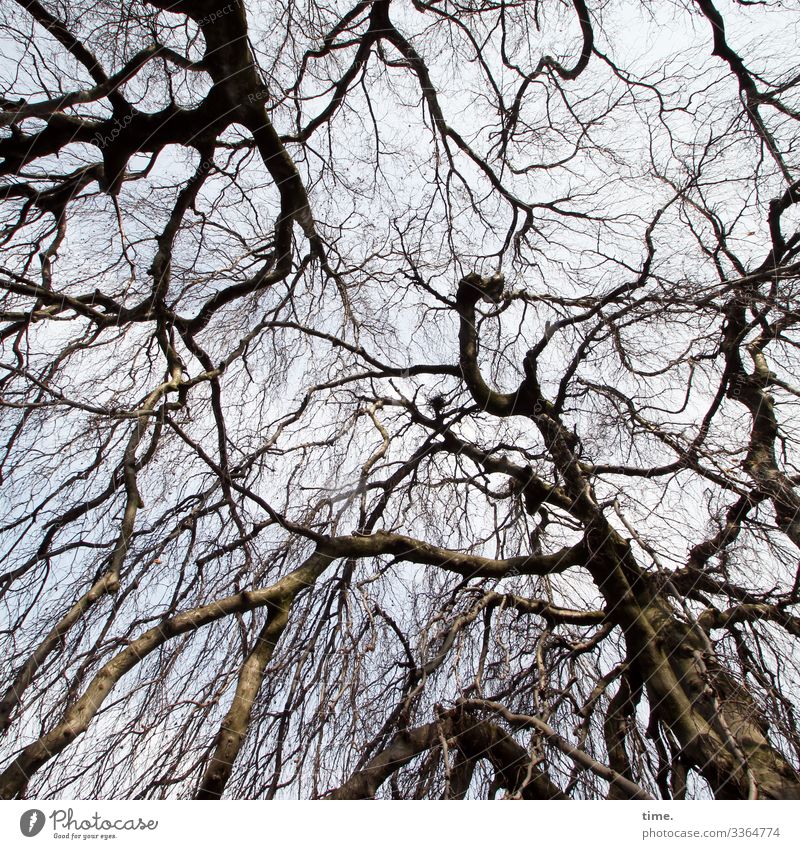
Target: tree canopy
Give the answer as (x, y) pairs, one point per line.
(399, 398)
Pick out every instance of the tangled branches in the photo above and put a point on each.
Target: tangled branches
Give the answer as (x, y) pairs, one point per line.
(398, 400)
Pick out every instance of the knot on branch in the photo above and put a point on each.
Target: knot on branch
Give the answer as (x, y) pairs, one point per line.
(474, 286)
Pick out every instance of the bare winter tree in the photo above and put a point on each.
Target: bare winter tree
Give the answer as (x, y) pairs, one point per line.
(399, 398)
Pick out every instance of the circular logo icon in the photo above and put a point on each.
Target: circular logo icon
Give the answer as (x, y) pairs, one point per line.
(31, 822)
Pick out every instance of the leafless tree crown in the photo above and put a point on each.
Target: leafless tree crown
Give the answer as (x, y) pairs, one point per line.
(399, 398)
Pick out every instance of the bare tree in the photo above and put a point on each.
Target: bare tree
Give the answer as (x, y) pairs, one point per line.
(398, 398)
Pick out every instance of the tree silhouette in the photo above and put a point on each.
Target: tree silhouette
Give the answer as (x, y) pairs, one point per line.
(398, 399)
